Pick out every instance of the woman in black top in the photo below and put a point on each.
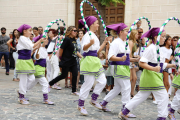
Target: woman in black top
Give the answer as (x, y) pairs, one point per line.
(14, 42)
(68, 53)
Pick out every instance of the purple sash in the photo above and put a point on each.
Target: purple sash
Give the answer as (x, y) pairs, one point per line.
(126, 62)
(24, 54)
(155, 64)
(90, 53)
(41, 62)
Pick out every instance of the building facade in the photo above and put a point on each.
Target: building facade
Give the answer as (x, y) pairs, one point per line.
(14, 13)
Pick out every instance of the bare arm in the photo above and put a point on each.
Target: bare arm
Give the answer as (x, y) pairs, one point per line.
(103, 44)
(170, 66)
(9, 44)
(114, 58)
(101, 47)
(131, 57)
(79, 55)
(88, 45)
(148, 67)
(167, 61)
(38, 43)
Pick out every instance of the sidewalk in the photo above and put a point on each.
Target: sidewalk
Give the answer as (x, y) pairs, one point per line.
(64, 109)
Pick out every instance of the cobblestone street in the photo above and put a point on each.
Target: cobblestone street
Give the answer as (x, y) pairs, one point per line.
(64, 109)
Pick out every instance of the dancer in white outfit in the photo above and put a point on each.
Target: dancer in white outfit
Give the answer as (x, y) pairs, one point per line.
(151, 79)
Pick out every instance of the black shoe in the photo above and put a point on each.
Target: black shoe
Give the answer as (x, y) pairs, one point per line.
(91, 90)
(7, 73)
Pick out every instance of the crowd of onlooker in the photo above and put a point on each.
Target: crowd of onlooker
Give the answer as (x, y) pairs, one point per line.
(9, 55)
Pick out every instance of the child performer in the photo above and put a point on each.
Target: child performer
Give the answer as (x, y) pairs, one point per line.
(90, 65)
(151, 80)
(40, 66)
(176, 100)
(24, 65)
(120, 65)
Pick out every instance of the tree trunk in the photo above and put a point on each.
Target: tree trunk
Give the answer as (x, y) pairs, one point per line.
(102, 11)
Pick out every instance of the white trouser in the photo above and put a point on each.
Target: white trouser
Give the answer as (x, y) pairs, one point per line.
(176, 101)
(88, 83)
(15, 56)
(25, 81)
(120, 85)
(43, 82)
(54, 67)
(48, 69)
(161, 97)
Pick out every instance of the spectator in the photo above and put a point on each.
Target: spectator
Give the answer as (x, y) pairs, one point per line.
(35, 31)
(4, 51)
(133, 65)
(80, 50)
(40, 30)
(10, 35)
(141, 44)
(168, 57)
(12, 44)
(68, 54)
(11, 60)
(138, 25)
(52, 62)
(31, 37)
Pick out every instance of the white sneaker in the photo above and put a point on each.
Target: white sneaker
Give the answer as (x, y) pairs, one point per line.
(155, 102)
(75, 93)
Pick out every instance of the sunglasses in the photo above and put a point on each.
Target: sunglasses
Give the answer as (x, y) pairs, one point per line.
(140, 32)
(74, 30)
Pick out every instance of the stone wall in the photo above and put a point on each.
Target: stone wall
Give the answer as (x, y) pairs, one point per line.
(157, 11)
(14, 13)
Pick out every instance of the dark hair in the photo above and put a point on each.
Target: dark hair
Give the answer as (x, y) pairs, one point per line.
(3, 28)
(81, 30)
(80, 26)
(35, 28)
(167, 37)
(53, 31)
(62, 30)
(14, 32)
(40, 27)
(176, 37)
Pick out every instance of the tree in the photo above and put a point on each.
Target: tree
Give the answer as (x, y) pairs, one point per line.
(102, 4)
(108, 2)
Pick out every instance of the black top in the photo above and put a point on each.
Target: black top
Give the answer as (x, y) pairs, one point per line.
(69, 55)
(14, 45)
(171, 47)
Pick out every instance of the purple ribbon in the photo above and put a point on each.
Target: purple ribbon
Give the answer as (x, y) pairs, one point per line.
(24, 54)
(41, 62)
(155, 64)
(90, 53)
(126, 62)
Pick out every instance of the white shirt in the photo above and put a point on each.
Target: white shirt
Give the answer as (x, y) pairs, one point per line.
(86, 40)
(117, 47)
(42, 53)
(150, 55)
(167, 52)
(24, 43)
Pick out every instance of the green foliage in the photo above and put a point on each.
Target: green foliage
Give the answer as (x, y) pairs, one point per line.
(107, 2)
